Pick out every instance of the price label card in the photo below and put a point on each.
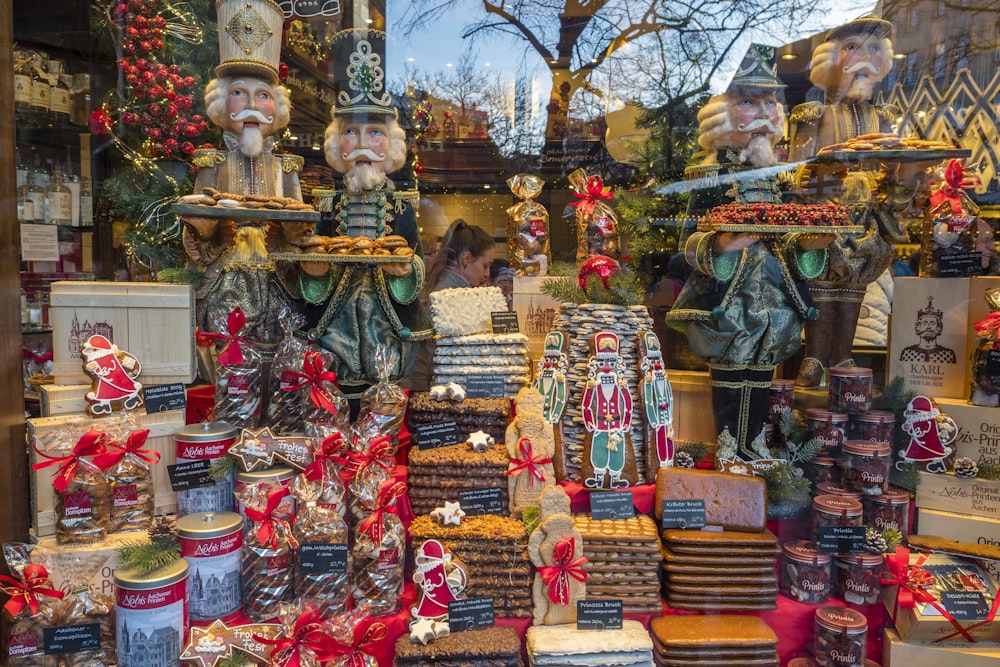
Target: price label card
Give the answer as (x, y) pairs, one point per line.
(599, 615)
(683, 514)
(485, 385)
(505, 322)
(611, 505)
(965, 605)
(71, 638)
(432, 436)
(319, 558)
(960, 264)
(470, 614)
(993, 362)
(481, 501)
(164, 397)
(841, 540)
(191, 475)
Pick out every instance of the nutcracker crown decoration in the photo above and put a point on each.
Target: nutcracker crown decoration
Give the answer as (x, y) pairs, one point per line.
(249, 38)
(359, 78)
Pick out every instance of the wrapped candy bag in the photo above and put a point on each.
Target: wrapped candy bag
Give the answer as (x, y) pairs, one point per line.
(267, 568)
(955, 243)
(322, 579)
(365, 467)
(316, 394)
(84, 608)
(383, 405)
(356, 638)
(283, 406)
(596, 223)
(379, 553)
(82, 491)
(239, 382)
(986, 357)
(528, 227)
(128, 470)
(33, 606)
(307, 641)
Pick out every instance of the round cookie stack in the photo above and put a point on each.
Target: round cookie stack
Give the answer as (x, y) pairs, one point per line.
(579, 322)
(622, 557)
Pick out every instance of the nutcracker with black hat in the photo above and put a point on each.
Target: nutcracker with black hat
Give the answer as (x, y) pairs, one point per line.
(250, 106)
(366, 312)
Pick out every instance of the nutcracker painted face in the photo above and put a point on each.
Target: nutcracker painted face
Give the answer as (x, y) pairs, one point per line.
(364, 148)
(248, 107)
(756, 118)
(860, 63)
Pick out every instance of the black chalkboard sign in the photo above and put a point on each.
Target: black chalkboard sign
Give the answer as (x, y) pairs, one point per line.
(841, 540)
(439, 434)
(481, 501)
(599, 615)
(611, 505)
(470, 614)
(321, 558)
(71, 638)
(190, 475)
(683, 513)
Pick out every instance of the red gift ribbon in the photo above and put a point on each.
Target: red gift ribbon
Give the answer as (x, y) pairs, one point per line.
(529, 461)
(308, 635)
(989, 328)
(385, 503)
(379, 453)
(593, 192)
(325, 456)
(232, 352)
(951, 190)
(43, 357)
(90, 443)
(133, 445)
(911, 581)
(313, 375)
(355, 652)
(556, 577)
(266, 533)
(25, 593)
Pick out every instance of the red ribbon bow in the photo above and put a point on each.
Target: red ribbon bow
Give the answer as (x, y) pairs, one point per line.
(313, 375)
(528, 461)
(307, 637)
(951, 190)
(594, 191)
(989, 328)
(911, 581)
(133, 445)
(325, 456)
(268, 519)
(355, 652)
(379, 453)
(557, 577)
(232, 351)
(385, 503)
(90, 443)
(25, 593)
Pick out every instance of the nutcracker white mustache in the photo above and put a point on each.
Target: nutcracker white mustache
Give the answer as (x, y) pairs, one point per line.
(861, 65)
(252, 113)
(359, 153)
(757, 124)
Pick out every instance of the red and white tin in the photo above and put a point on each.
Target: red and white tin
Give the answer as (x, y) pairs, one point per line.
(206, 441)
(151, 615)
(212, 544)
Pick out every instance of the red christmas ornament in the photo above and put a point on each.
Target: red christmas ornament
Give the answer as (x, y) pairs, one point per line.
(599, 265)
(100, 122)
(282, 71)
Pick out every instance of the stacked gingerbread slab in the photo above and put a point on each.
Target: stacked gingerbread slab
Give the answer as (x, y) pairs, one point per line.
(565, 646)
(729, 566)
(713, 641)
(485, 647)
(436, 476)
(622, 557)
(494, 550)
(490, 415)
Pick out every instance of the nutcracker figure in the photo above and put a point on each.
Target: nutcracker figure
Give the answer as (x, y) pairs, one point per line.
(658, 405)
(607, 416)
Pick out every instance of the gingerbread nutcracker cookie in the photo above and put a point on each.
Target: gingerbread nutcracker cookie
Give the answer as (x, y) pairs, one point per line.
(530, 446)
(550, 381)
(607, 416)
(556, 550)
(657, 404)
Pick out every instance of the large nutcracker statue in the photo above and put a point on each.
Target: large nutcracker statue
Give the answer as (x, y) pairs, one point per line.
(358, 309)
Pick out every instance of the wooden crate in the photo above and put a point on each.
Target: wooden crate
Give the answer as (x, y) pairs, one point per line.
(535, 312)
(947, 493)
(154, 322)
(978, 430)
(63, 399)
(45, 431)
(964, 528)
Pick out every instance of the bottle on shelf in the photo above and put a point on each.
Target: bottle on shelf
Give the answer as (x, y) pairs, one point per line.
(25, 205)
(37, 196)
(41, 90)
(86, 202)
(60, 100)
(22, 86)
(21, 168)
(58, 201)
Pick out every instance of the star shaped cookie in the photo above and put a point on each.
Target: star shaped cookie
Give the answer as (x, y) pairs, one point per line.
(450, 514)
(480, 441)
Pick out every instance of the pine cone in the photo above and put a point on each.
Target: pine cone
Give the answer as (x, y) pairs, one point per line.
(875, 541)
(683, 460)
(966, 468)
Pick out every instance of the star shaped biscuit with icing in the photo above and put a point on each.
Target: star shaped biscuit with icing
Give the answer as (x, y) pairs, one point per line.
(480, 441)
(254, 449)
(422, 631)
(451, 514)
(211, 644)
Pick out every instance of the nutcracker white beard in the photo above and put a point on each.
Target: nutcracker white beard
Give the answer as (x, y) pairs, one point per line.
(251, 141)
(759, 152)
(364, 178)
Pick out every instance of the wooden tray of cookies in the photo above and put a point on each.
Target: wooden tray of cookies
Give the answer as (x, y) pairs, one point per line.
(334, 258)
(243, 213)
(890, 155)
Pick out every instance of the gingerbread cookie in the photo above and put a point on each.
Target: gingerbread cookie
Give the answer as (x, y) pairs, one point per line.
(530, 445)
(556, 550)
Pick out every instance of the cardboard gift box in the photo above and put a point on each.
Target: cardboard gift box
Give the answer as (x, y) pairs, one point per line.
(46, 432)
(978, 429)
(963, 528)
(153, 322)
(899, 653)
(935, 598)
(948, 493)
(74, 567)
(536, 311)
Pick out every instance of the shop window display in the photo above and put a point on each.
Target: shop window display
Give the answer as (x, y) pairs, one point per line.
(828, 155)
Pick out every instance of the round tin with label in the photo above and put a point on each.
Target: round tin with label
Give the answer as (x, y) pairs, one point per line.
(206, 441)
(151, 615)
(211, 543)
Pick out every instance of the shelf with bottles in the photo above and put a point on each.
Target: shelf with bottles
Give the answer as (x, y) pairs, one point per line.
(47, 95)
(49, 191)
